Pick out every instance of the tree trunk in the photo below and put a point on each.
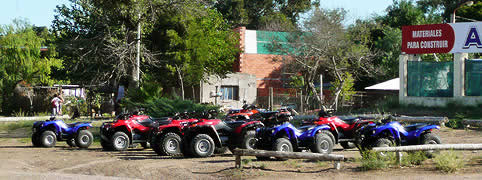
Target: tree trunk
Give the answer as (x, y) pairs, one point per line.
(179, 75)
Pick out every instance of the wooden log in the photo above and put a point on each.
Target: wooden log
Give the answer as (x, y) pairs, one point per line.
(289, 155)
(422, 119)
(472, 122)
(463, 147)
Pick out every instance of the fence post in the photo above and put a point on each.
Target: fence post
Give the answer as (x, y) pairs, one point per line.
(271, 98)
(399, 158)
(237, 161)
(301, 101)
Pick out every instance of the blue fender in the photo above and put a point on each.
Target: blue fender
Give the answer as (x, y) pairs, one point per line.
(317, 128)
(81, 125)
(287, 128)
(425, 128)
(385, 128)
(52, 124)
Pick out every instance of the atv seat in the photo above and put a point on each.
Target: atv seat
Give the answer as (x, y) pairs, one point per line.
(73, 124)
(414, 127)
(268, 114)
(146, 122)
(349, 120)
(305, 128)
(224, 126)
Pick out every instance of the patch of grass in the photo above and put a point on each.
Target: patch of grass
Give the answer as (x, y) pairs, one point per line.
(415, 158)
(245, 162)
(321, 163)
(293, 163)
(372, 161)
(11, 126)
(262, 166)
(449, 162)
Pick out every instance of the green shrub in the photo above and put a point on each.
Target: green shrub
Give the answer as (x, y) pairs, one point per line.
(415, 158)
(371, 160)
(448, 162)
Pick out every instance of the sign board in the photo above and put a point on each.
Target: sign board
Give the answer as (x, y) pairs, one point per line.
(442, 38)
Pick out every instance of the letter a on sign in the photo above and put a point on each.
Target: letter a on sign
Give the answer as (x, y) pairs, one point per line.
(473, 38)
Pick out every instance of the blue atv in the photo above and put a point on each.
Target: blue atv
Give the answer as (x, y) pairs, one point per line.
(285, 137)
(394, 134)
(47, 133)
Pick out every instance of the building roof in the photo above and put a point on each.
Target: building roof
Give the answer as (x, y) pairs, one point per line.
(391, 85)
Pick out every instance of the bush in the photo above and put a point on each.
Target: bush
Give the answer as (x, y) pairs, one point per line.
(415, 158)
(448, 162)
(371, 161)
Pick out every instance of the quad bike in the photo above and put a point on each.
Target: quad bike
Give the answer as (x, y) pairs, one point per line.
(247, 112)
(392, 133)
(127, 130)
(166, 135)
(203, 137)
(343, 128)
(47, 133)
(283, 136)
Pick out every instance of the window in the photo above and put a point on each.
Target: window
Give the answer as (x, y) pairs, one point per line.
(229, 92)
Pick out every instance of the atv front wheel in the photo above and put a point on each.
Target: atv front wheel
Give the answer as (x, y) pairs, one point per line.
(48, 139)
(36, 140)
(249, 140)
(283, 145)
(169, 144)
(383, 142)
(84, 139)
(323, 144)
(71, 142)
(202, 145)
(120, 141)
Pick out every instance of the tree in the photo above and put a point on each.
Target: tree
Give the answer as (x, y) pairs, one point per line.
(22, 61)
(250, 13)
(324, 45)
(198, 43)
(446, 7)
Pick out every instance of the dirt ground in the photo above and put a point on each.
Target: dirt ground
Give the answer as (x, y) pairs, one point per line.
(19, 160)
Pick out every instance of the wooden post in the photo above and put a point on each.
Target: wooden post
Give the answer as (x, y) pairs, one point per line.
(301, 102)
(399, 158)
(271, 98)
(238, 162)
(337, 165)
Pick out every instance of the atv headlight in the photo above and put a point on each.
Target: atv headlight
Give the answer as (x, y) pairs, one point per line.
(374, 131)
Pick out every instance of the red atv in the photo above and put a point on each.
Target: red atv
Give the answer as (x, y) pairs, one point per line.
(166, 135)
(246, 112)
(203, 137)
(342, 128)
(126, 130)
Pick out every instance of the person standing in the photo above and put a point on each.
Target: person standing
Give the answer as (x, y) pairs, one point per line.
(60, 104)
(55, 105)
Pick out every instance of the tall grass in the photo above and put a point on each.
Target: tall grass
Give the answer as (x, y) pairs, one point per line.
(449, 162)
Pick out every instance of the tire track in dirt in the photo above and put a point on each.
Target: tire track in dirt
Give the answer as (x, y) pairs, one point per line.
(86, 165)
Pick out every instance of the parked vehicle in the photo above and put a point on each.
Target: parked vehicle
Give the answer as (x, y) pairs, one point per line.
(202, 137)
(125, 131)
(47, 133)
(393, 133)
(166, 136)
(283, 136)
(343, 128)
(247, 112)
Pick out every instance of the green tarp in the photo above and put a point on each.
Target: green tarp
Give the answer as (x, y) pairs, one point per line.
(473, 78)
(430, 79)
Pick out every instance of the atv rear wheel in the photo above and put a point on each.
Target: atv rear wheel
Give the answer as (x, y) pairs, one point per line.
(202, 145)
(71, 142)
(430, 138)
(48, 139)
(329, 134)
(249, 140)
(120, 141)
(283, 145)
(322, 144)
(84, 139)
(36, 140)
(169, 144)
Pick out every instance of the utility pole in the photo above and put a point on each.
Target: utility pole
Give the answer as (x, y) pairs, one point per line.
(138, 57)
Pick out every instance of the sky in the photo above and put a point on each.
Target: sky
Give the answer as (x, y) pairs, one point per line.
(41, 12)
